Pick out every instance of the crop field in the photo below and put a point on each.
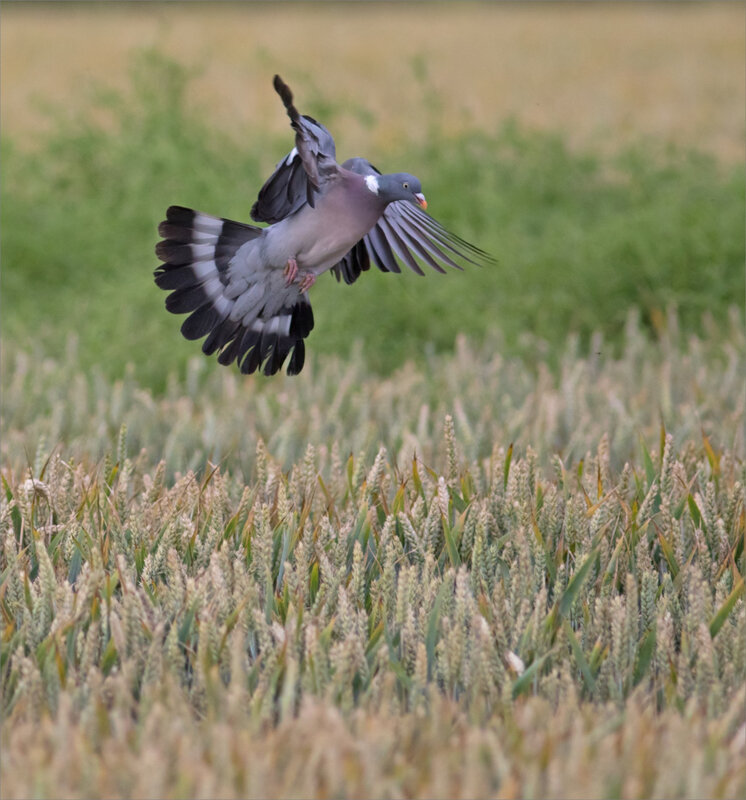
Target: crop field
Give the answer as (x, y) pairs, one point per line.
(491, 541)
(510, 586)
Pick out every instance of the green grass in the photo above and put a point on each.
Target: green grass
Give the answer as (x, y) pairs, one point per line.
(513, 586)
(580, 239)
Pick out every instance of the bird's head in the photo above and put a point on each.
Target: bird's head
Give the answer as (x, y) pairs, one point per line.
(400, 186)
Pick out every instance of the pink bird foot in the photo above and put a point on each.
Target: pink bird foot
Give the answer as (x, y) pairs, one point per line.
(307, 282)
(291, 271)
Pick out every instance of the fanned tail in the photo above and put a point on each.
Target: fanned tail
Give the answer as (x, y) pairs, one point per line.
(197, 250)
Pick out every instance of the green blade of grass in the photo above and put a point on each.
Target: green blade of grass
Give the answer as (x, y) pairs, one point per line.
(575, 583)
(725, 609)
(580, 658)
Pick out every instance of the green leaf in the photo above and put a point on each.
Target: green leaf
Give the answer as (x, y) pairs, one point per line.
(523, 682)
(398, 505)
(611, 566)
(76, 564)
(711, 457)
(506, 465)
(644, 656)
(109, 480)
(452, 537)
(281, 603)
(416, 479)
(678, 509)
(43, 650)
(283, 557)
(695, 513)
(269, 596)
(325, 637)
(362, 528)
(598, 654)
(576, 583)
(650, 471)
(726, 608)
(375, 638)
(313, 581)
(459, 503)
(109, 657)
(467, 488)
(431, 635)
(15, 514)
(577, 651)
(401, 673)
(669, 555)
(185, 628)
(230, 527)
(327, 496)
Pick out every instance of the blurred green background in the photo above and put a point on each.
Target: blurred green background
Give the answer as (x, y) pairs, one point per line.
(590, 208)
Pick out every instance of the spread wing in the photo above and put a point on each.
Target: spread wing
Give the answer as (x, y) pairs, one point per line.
(303, 172)
(405, 234)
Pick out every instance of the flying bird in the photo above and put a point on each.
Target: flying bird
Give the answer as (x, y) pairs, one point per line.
(246, 287)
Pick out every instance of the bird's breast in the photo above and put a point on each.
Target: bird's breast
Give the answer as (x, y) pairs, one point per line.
(320, 236)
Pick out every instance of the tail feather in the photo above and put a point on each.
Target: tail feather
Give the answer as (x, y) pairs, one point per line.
(200, 323)
(197, 250)
(298, 358)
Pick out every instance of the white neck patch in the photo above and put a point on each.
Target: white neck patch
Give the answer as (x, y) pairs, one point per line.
(372, 183)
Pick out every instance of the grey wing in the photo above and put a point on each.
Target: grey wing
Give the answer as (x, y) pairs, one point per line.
(303, 172)
(405, 234)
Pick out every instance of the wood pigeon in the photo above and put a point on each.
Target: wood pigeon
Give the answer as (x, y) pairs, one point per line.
(247, 286)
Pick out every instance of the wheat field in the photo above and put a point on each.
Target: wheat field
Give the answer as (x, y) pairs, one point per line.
(207, 594)
(603, 72)
(493, 569)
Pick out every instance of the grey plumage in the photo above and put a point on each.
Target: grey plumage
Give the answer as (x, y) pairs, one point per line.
(241, 316)
(245, 287)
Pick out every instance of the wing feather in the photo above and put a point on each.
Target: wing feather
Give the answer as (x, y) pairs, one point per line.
(406, 234)
(303, 172)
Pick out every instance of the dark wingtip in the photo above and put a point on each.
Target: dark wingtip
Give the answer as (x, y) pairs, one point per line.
(283, 90)
(286, 96)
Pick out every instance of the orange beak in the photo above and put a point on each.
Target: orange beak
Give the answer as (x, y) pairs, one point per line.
(420, 198)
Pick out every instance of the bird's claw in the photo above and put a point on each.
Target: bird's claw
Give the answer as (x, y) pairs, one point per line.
(291, 271)
(307, 281)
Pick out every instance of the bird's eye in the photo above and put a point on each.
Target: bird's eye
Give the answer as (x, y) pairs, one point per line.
(405, 185)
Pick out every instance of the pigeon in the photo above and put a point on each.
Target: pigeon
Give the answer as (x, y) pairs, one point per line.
(245, 287)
